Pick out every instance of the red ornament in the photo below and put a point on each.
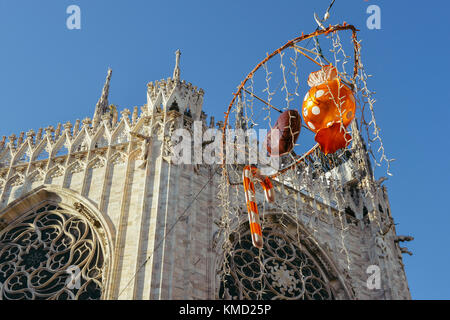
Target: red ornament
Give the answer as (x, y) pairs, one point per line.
(282, 137)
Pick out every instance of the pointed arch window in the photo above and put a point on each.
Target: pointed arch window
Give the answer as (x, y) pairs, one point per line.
(283, 270)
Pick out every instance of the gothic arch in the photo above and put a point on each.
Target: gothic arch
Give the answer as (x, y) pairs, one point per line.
(98, 160)
(102, 136)
(45, 234)
(16, 180)
(285, 239)
(117, 157)
(120, 133)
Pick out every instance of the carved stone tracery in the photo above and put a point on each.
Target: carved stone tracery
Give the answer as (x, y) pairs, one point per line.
(283, 270)
(38, 253)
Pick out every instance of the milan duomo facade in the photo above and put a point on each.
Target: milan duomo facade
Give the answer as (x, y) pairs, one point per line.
(97, 210)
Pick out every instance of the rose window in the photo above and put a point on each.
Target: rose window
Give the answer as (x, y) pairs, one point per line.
(283, 270)
(51, 253)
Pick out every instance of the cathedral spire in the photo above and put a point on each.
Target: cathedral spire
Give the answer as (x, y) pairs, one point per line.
(177, 95)
(360, 149)
(102, 104)
(176, 70)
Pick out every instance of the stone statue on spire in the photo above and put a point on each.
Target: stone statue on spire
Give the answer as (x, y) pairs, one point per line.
(176, 70)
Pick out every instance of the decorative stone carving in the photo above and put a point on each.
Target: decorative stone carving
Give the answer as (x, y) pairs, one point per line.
(405, 250)
(57, 171)
(101, 142)
(285, 271)
(145, 147)
(120, 137)
(118, 158)
(403, 238)
(2, 142)
(381, 246)
(38, 252)
(81, 208)
(176, 70)
(125, 115)
(77, 167)
(38, 175)
(283, 278)
(98, 163)
(30, 136)
(3, 224)
(17, 181)
(12, 140)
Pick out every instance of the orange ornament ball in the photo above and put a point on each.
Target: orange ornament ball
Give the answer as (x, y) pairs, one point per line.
(321, 111)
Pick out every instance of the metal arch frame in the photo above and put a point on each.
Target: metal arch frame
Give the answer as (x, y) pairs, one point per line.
(291, 43)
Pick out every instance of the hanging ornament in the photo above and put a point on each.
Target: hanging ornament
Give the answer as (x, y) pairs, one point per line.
(328, 109)
(282, 137)
(250, 175)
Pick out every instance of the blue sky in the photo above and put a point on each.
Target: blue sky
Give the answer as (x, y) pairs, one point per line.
(49, 74)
